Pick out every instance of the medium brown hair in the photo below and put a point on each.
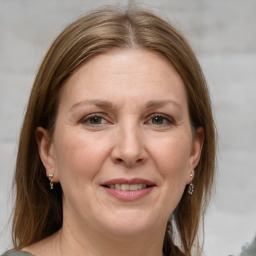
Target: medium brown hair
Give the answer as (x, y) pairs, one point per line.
(38, 211)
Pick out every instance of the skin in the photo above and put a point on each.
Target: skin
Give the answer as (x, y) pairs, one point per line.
(145, 133)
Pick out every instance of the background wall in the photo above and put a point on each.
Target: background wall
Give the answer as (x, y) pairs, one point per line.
(223, 35)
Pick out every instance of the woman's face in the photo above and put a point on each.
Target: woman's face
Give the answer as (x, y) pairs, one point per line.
(123, 147)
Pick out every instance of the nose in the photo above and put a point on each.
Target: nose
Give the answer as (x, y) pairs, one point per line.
(129, 148)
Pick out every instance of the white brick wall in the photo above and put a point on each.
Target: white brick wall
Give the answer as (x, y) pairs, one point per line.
(223, 34)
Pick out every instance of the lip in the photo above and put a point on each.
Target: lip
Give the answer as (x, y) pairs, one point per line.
(129, 195)
(129, 181)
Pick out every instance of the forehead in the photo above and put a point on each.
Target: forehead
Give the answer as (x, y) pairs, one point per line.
(125, 74)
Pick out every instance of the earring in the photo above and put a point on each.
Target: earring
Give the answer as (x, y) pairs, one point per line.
(192, 173)
(191, 189)
(191, 186)
(50, 176)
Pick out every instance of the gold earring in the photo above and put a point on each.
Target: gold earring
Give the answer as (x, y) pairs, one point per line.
(50, 176)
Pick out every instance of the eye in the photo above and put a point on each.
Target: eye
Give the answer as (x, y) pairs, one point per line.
(94, 119)
(160, 119)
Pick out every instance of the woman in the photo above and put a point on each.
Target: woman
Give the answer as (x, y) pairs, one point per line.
(117, 148)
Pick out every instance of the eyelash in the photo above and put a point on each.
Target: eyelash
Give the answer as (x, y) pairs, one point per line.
(165, 119)
(88, 118)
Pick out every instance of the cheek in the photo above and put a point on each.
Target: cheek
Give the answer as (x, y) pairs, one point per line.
(78, 157)
(172, 160)
(172, 157)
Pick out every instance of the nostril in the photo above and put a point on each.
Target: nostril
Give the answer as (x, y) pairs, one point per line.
(119, 160)
(128, 162)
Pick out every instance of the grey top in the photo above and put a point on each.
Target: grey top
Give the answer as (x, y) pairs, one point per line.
(16, 253)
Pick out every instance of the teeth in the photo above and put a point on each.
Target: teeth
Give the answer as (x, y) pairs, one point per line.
(118, 186)
(139, 186)
(127, 187)
(134, 187)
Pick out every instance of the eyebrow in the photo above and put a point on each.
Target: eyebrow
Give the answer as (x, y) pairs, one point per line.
(109, 105)
(99, 103)
(161, 103)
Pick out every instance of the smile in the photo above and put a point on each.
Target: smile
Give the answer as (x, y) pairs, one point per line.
(128, 190)
(127, 187)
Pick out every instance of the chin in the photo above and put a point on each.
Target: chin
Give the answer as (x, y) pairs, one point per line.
(129, 231)
(130, 224)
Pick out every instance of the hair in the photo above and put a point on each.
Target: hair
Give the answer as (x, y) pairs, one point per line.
(37, 210)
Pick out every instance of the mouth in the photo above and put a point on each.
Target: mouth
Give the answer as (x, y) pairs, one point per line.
(128, 187)
(128, 190)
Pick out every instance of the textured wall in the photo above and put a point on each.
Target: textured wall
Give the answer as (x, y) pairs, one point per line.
(223, 34)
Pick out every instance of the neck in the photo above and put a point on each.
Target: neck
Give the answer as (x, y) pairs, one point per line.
(89, 244)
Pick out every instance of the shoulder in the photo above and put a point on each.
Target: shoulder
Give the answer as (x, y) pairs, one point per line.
(16, 253)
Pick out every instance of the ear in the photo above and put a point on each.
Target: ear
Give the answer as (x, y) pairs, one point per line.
(46, 152)
(196, 149)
